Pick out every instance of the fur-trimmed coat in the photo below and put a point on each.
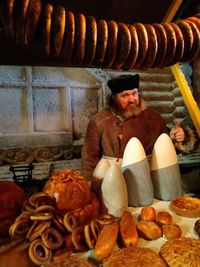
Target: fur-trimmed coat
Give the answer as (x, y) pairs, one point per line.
(108, 133)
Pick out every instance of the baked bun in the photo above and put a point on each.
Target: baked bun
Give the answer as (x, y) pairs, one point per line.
(186, 206)
(149, 230)
(171, 231)
(148, 213)
(11, 200)
(163, 217)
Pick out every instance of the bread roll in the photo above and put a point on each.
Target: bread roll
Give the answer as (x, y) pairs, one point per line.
(171, 231)
(163, 217)
(149, 230)
(148, 213)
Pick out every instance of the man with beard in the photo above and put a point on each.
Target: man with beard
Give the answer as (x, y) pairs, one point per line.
(126, 116)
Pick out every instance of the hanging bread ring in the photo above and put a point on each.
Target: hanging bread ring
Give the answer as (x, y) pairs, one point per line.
(89, 236)
(38, 253)
(45, 216)
(95, 228)
(45, 209)
(69, 222)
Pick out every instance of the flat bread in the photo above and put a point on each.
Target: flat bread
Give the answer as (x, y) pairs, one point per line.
(132, 57)
(69, 37)
(91, 40)
(183, 251)
(33, 16)
(58, 29)
(143, 43)
(134, 257)
(45, 31)
(102, 40)
(111, 49)
(162, 44)
(123, 45)
(152, 47)
(186, 206)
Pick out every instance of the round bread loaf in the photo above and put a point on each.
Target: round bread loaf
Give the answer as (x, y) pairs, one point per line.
(45, 29)
(80, 34)
(186, 206)
(58, 29)
(123, 46)
(69, 37)
(162, 44)
(33, 16)
(11, 200)
(20, 11)
(187, 36)
(171, 44)
(152, 47)
(149, 230)
(143, 43)
(102, 41)
(7, 16)
(171, 231)
(163, 217)
(91, 40)
(179, 45)
(132, 57)
(111, 50)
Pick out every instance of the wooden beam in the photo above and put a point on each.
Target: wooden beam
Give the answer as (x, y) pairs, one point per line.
(172, 10)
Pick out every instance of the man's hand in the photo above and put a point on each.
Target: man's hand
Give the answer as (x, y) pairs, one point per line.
(177, 133)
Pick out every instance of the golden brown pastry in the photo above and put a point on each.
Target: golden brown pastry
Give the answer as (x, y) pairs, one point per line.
(163, 217)
(171, 231)
(149, 230)
(102, 41)
(134, 257)
(91, 40)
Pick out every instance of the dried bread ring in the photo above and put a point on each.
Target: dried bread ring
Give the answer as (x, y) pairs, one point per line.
(187, 36)
(45, 209)
(179, 46)
(132, 57)
(124, 45)
(34, 198)
(111, 49)
(7, 16)
(37, 229)
(196, 20)
(171, 44)
(38, 253)
(70, 222)
(162, 44)
(91, 40)
(80, 34)
(58, 224)
(52, 238)
(45, 29)
(95, 228)
(78, 239)
(102, 40)
(89, 236)
(58, 29)
(143, 43)
(152, 47)
(19, 228)
(27, 206)
(105, 219)
(69, 37)
(33, 16)
(44, 216)
(25, 215)
(20, 20)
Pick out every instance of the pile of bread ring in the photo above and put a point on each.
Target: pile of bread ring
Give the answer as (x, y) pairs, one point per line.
(79, 40)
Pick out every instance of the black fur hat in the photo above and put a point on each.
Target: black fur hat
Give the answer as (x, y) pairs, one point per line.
(123, 82)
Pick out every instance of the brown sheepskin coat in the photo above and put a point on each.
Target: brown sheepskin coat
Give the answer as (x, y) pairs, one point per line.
(107, 134)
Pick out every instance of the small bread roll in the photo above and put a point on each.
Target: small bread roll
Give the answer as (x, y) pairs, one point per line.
(148, 213)
(164, 217)
(171, 231)
(149, 230)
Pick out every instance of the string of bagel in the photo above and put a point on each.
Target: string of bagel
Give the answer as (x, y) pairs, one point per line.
(80, 40)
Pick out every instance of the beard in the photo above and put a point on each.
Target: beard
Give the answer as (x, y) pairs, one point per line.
(130, 111)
